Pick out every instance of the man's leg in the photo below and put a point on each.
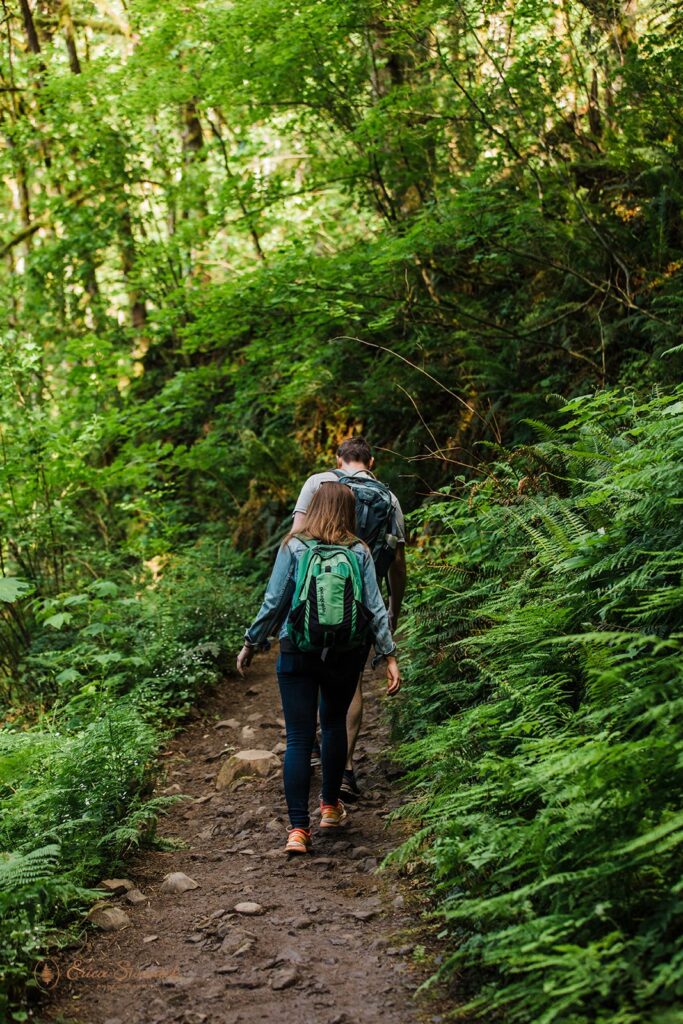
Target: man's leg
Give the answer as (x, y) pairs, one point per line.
(354, 720)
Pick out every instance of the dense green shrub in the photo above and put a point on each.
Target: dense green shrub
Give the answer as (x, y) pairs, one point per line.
(544, 718)
(114, 665)
(72, 802)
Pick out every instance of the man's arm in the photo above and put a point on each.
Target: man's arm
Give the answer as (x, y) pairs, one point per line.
(397, 584)
(298, 520)
(304, 500)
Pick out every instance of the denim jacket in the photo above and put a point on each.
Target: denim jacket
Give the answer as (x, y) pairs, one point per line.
(280, 591)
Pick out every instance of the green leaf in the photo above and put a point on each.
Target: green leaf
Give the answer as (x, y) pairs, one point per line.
(58, 620)
(11, 588)
(69, 675)
(110, 658)
(105, 588)
(94, 629)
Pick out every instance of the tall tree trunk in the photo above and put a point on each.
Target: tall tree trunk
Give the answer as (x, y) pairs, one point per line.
(21, 192)
(136, 303)
(194, 198)
(30, 29)
(70, 38)
(411, 173)
(90, 282)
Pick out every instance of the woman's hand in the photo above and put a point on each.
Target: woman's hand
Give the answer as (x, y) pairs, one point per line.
(393, 675)
(244, 658)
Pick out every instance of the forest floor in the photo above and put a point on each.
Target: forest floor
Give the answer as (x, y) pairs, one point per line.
(335, 942)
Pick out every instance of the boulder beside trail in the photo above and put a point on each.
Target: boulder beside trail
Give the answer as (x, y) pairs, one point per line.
(177, 882)
(116, 886)
(108, 918)
(243, 763)
(248, 908)
(135, 896)
(285, 978)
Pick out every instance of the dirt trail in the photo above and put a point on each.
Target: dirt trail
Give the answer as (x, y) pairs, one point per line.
(333, 942)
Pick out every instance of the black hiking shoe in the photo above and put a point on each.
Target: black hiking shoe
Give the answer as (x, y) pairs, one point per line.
(315, 756)
(349, 787)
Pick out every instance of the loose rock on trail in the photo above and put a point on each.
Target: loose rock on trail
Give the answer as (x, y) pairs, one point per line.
(232, 930)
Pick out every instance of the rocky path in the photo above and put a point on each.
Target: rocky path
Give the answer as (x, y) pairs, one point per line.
(323, 939)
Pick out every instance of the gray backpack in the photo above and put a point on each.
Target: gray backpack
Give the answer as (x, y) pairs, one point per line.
(374, 512)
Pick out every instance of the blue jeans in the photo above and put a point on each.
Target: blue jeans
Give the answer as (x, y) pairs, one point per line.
(305, 681)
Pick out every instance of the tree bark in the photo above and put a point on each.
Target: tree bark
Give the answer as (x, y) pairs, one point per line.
(136, 303)
(30, 28)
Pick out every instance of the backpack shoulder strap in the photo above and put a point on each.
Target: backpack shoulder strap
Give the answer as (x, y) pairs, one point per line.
(303, 570)
(341, 473)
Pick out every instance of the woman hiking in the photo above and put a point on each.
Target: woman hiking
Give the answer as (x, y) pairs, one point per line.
(323, 598)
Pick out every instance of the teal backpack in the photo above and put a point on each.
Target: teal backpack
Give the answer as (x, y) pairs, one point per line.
(327, 608)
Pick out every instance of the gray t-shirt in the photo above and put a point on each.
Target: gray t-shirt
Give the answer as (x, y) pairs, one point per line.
(398, 526)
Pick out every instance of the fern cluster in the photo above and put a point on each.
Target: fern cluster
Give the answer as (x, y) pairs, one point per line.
(115, 664)
(544, 720)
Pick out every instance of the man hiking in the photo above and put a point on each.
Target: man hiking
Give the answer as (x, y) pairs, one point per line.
(381, 525)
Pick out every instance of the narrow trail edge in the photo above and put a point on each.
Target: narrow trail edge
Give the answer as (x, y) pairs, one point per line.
(325, 938)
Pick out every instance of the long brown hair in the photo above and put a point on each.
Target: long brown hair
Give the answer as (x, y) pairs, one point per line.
(331, 516)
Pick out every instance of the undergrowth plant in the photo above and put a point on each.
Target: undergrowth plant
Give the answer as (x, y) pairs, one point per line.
(543, 720)
(111, 667)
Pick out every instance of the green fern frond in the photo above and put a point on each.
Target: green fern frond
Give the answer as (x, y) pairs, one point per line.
(18, 870)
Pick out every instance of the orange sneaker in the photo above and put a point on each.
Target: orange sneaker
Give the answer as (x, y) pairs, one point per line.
(332, 815)
(298, 840)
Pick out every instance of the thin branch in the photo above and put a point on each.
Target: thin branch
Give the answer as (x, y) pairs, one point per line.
(238, 191)
(408, 362)
(422, 419)
(502, 135)
(26, 232)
